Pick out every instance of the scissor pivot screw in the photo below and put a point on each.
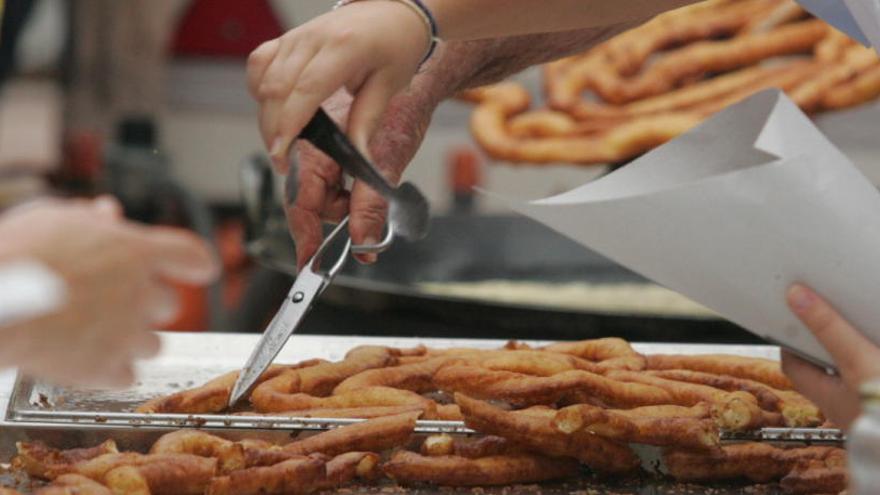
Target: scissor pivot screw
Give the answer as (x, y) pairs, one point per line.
(298, 297)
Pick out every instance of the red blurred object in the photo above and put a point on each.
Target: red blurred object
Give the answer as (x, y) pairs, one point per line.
(225, 28)
(84, 155)
(464, 173)
(193, 313)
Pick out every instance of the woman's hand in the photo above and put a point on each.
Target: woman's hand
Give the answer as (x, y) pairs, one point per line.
(118, 276)
(371, 49)
(857, 358)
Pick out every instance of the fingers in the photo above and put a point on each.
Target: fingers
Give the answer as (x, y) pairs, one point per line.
(258, 62)
(319, 186)
(837, 401)
(178, 255)
(856, 357)
(367, 109)
(367, 218)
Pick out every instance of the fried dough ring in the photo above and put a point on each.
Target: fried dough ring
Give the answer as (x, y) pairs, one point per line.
(41, 461)
(273, 394)
(71, 484)
(607, 353)
(295, 476)
(716, 56)
(230, 455)
(757, 462)
(213, 396)
(488, 126)
(408, 467)
(531, 390)
(185, 475)
(865, 86)
(796, 410)
(603, 68)
(373, 435)
(810, 94)
(697, 434)
(536, 432)
(761, 370)
(737, 411)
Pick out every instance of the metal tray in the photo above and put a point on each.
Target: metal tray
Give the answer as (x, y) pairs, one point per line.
(68, 418)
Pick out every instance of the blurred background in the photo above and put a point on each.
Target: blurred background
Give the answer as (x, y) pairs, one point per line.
(147, 101)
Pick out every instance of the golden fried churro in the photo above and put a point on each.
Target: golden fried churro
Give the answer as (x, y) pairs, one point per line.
(529, 390)
(537, 433)
(230, 455)
(758, 369)
(184, 475)
(828, 475)
(757, 462)
(213, 396)
(698, 434)
(274, 394)
(72, 484)
(373, 435)
(295, 476)
(472, 448)
(415, 377)
(40, 461)
(347, 467)
(367, 397)
(796, 410)
(737, 411)
(408, 467)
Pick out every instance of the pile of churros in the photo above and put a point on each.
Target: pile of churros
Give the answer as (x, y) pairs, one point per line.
(541, 414)
(650, 84)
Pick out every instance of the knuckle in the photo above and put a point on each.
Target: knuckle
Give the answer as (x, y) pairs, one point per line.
(341, 37)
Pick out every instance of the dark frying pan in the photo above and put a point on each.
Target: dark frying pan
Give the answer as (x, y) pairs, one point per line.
(387, 296)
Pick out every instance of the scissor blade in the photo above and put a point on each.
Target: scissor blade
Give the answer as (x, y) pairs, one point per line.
(306, 288)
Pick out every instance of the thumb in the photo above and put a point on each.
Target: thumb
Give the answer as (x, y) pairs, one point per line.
(179, 255)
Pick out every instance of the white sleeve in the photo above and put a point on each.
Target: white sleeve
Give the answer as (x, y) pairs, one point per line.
(28, 289)
(860, 19)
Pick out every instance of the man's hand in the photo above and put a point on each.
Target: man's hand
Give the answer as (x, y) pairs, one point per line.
(321, 195)
(118, 277)
(856, 357)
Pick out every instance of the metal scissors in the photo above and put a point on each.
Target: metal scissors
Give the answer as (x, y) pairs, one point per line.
(408, 217)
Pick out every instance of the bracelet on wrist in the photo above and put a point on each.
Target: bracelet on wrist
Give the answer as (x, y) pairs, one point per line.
(420, 9)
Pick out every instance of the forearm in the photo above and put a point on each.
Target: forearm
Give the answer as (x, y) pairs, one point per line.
(461, 65)
(481, 19)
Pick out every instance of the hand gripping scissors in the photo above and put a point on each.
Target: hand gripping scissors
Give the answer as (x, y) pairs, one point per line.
(408, 218)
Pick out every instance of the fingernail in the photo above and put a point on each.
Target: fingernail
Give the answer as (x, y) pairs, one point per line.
(276, 151)
(800, 298)
(369, 258)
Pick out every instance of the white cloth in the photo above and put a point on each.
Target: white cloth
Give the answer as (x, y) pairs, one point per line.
(28, 289)
(860, 19)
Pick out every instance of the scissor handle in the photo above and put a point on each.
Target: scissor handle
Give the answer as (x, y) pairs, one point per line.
(314, 265)
(376, 248)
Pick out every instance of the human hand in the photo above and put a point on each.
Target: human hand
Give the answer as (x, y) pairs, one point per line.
(118, 277)
(857, 358)
(351, 48)
(320, 194)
